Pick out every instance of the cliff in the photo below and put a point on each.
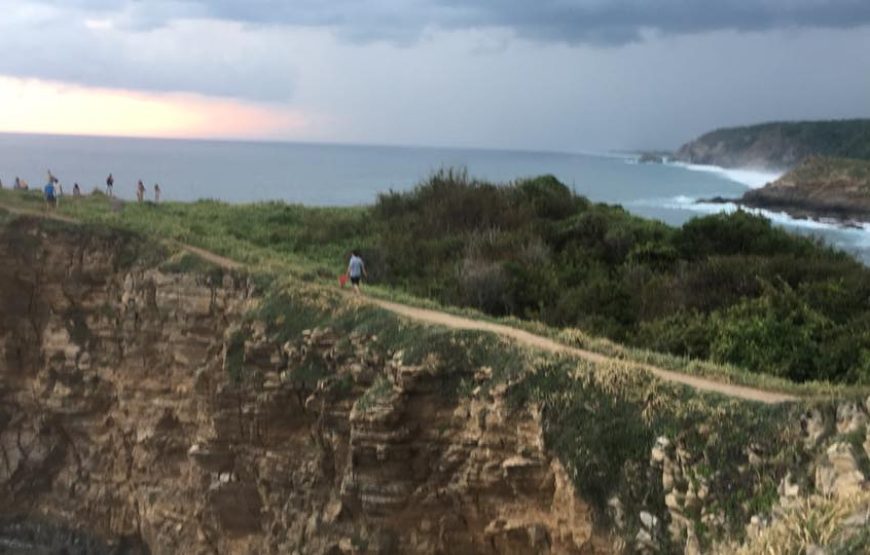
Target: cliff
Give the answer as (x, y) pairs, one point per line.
(140, 404)
(819, 187)
(152, 403)
(778, 145)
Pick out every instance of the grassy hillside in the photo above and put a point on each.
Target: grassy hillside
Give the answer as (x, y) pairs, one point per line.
(730, 288)
(831, 173)
(780, 144)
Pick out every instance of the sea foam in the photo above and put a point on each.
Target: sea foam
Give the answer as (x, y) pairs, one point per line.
(753, 179)
(681, 202)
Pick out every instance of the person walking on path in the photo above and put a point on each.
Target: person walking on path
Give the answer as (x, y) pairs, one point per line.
(140, 191)
(110, 183)
(156, 193)
(356, 269)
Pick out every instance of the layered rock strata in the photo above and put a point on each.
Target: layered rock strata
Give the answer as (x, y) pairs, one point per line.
(142, 406)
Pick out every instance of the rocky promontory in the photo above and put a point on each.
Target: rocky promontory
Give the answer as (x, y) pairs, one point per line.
(818, 188)
(778, 145)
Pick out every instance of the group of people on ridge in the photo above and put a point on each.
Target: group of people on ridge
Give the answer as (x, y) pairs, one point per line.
(356, 268)
(140, 189)
(53, 190)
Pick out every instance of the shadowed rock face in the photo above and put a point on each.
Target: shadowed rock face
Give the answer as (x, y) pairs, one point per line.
(118, 417)
(25, 537)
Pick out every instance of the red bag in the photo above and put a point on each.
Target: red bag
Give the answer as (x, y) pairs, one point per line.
(342, 280)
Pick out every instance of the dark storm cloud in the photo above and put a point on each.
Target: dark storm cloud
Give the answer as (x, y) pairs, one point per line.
(635, 72)
(572, 21)
(620, 21)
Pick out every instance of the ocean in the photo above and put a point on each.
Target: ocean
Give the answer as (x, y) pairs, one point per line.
(345, 175)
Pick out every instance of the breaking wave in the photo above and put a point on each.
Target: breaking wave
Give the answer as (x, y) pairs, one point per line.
(750, 178)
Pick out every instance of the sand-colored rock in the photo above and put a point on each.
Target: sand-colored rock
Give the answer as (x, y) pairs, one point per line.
(119, 416)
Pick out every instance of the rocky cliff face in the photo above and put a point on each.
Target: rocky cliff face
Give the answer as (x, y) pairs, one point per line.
(140, 405)
(819, 188)
(148, 409)
(767, 152)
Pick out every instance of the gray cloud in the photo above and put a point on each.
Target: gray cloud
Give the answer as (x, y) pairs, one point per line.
(609, 22)
(456, 73)
(234, 48)
(208, 57)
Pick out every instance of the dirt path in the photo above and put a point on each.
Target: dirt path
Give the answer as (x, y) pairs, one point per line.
(524, 337)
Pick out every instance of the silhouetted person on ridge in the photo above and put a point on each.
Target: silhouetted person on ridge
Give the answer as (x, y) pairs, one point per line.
(110, 183)
(156, 193)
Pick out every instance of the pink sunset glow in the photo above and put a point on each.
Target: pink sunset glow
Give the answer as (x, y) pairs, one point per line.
(35, 106)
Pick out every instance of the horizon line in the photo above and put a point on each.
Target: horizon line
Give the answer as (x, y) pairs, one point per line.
(528, 150)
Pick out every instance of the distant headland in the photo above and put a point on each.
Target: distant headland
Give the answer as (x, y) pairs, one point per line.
(778, 145)
(827, 165)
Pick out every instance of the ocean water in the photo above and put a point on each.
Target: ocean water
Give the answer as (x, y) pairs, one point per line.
(343, 175)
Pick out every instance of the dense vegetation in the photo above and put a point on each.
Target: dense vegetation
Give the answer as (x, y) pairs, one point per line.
(785, 143)
(730, 288)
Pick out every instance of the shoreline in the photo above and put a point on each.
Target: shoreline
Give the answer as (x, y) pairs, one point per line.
(832, 218)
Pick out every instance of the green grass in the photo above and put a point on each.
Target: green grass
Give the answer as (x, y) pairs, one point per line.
(310, 244)
(832, 171)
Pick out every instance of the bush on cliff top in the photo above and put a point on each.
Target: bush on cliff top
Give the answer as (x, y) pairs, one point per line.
(730, 286)
(535, 250)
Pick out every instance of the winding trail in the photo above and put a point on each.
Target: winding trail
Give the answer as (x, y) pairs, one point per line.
(520, 336)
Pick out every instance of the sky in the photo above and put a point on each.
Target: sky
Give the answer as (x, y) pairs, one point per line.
(565, 75)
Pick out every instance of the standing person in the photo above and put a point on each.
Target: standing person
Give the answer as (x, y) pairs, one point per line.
(50, 199)
(140, 191)
(156, 193)
(76, 191)
(356, 269)
(110, 183)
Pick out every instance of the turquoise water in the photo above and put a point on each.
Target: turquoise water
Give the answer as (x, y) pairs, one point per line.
(341, 175)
